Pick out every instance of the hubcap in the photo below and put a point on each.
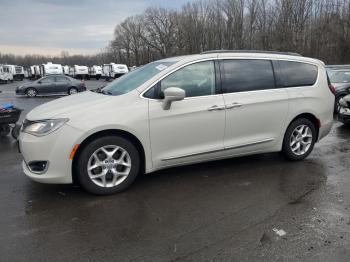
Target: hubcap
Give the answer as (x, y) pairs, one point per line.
(109, 166)
(301, 140)
(31, 92)
(73, 91)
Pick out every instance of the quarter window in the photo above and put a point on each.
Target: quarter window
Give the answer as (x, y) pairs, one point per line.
(246, 75)
(196, 79)
(296, 74)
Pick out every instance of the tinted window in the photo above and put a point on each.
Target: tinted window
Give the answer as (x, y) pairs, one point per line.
(246, 75)
(47, 80)
(340, 77)
(134, 79)
(61, 79)
(196, 79)
(298, 74)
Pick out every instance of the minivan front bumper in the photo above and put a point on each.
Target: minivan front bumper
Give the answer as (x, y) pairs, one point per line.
(53, 149)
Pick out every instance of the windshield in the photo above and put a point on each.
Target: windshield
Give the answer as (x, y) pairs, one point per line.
(340, 77)
(134, 79)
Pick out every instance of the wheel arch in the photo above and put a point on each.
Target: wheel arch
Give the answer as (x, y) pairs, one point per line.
(310, 117)
(109, 132)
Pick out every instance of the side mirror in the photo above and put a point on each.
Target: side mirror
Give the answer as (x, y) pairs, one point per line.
(172, 94)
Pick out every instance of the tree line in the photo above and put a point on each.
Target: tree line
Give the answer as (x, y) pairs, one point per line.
(315, 28)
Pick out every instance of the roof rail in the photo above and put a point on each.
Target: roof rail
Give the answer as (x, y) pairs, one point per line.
(250, 52)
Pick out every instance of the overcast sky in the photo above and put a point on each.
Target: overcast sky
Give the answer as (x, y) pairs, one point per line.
(78, 26)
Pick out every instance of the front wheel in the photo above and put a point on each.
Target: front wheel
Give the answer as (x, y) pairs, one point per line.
(4, 130)
(299, 139)
(31, 92)
(108, 165)
(72, 91)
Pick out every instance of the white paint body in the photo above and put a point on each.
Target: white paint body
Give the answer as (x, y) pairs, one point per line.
(95, 71)
(188, 132)
(113, 70)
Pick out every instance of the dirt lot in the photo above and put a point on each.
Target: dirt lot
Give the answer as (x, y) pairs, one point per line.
(259, 208)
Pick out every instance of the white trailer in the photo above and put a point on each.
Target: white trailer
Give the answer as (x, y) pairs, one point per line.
(65, 70)
(95, 72)
(6, 74)
(113, 70)
(17, 72)
(50, 69)
(34, 72)
(77, 71)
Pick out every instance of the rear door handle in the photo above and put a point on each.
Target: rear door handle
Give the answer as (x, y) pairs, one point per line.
(216, 108)
(234, 105)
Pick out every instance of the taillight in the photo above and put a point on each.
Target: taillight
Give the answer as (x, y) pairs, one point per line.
(332, 88)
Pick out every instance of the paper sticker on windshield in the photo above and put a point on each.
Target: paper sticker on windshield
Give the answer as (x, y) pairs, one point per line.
(161, 67)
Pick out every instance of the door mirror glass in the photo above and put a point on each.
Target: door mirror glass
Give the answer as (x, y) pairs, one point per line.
(172, 94)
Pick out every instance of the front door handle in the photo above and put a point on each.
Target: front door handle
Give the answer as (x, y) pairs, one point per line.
(216, 108)
(234, 105)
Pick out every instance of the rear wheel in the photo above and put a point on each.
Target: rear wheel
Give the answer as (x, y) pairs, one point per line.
(299, 139)
(31, 92)
(108, 165)
(72, 91)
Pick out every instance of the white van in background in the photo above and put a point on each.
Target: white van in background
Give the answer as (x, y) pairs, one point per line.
(95, 72)
(113, 70)
(50, 69)
(5, 74)
(78, 71)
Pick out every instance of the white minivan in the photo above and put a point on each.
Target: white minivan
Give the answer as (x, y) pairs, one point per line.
(179, 111)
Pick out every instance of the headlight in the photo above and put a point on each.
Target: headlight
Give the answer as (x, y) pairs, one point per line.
(42, 127)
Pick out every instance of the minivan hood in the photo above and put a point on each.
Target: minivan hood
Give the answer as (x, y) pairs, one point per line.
(339, 86)
(65, 105)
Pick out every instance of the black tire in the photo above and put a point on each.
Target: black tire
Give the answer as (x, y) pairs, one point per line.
(15, 131)
(286, 148)
(4, 130)
(87, 152)
(72, 90)
(31, 92)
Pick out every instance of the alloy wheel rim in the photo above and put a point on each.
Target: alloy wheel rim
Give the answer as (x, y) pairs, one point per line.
(31, 92)
(109, 166)
(73, 91)
(301, 140)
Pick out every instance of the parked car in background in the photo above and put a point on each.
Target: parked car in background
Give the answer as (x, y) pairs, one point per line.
(49, 85)
(5, 74)
(113, 70)
(95, 72)
(340, 79)
(344, 110)
(179, 111)
(50, 69)
(79, 72)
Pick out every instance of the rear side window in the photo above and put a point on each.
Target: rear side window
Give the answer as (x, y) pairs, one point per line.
(296, 74)
(246, 75)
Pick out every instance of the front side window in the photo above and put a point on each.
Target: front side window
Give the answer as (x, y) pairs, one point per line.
(246, 75)
(296, 74)
(47, 80)
(196, 79)
(134, 79)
